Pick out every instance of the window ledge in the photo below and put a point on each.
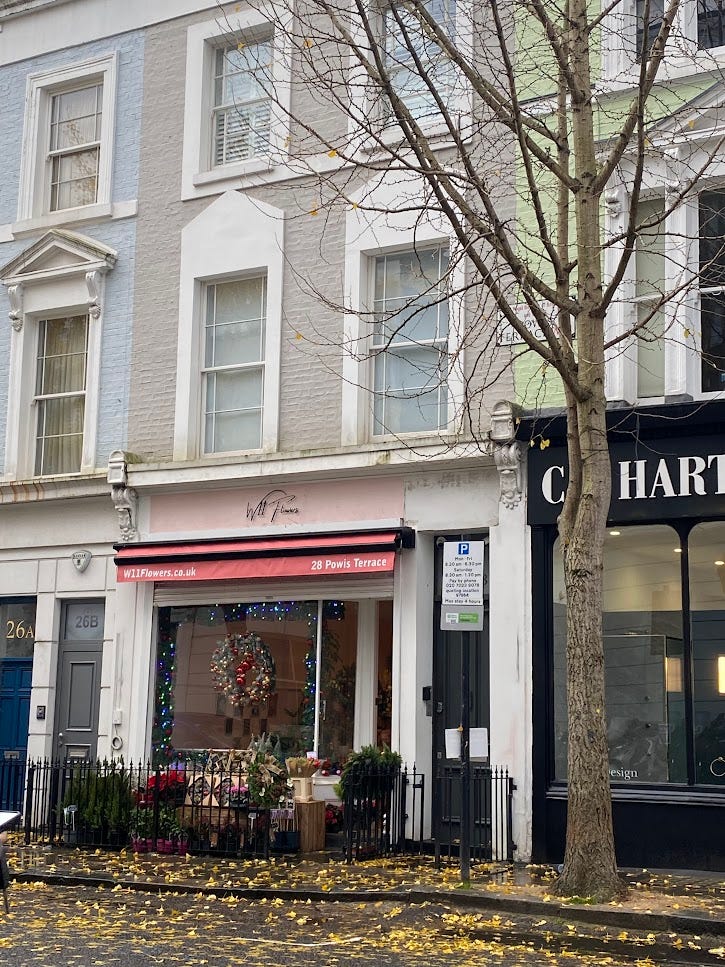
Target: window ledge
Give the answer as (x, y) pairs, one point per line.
(224, 177)
(436, 132)
(35, 489)
(677, 66)
(73, 216)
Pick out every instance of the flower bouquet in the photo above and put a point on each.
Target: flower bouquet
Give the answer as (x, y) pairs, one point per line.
(300, 767)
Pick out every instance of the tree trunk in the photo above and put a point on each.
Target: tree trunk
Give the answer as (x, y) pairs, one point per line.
(590, 866)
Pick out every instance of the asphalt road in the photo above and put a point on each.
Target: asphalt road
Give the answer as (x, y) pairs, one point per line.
(81, 927)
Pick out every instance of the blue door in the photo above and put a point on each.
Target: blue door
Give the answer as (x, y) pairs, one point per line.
(15, 680)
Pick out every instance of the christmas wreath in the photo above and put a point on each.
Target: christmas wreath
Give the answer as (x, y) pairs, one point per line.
(242, 667)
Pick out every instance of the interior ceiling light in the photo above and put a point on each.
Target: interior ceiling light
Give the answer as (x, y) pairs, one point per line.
(615, 533)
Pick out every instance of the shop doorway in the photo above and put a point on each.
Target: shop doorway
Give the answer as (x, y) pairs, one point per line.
(446, 698)
(79, 680)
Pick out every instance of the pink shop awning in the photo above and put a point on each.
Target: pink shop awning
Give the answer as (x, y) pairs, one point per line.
(300, 555)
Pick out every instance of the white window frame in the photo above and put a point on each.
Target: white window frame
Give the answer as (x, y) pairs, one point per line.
(461, 101)
(399, 346)
(248, 366)
(682, 365)
(199, 176)
(39, 400)
(235, 236)
(393, 69)
(368, 234)
(34, 194)
(620, 67)
(75, 287)
(227, 108)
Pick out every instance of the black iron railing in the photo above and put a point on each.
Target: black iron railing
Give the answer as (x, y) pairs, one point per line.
(197, 807)
(12, 784)
(491, 811)
(383, 812)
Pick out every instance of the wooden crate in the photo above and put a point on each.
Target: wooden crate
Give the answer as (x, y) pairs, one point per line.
(311, 824)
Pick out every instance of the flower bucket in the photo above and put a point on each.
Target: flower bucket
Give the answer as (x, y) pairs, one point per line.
(303, 788)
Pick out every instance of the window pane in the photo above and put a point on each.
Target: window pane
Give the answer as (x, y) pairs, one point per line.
(233, 411)
(17, 628)
(243, 299)
(399, 279)
(203, 718)
(404, 35)
(650, 249)
(241, 116)
(710, 23)
(712, 273)
(75, 118)
(410, 305)
(712, 321)
(235, 322)
(234, 343)
(643, 655)
(650, 352)
(411, 393)
(707, 616)
(648, 29)
(712, 238)
(62, 355)
(74, 180)
(60, 435)
(226, 432)
(241, 133)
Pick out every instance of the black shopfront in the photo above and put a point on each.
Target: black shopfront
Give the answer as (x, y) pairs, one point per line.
(664, 634)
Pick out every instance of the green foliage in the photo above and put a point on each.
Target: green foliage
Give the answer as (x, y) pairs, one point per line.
(102, 795)
(370, 760)
(266, 780)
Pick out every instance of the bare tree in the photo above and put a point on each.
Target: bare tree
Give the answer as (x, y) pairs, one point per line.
(501, 113)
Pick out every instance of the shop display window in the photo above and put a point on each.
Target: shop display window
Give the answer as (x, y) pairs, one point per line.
(664, 656)
(706, 558)
(643, 657)
(297, 686)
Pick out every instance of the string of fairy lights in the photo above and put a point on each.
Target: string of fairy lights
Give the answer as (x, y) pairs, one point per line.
(223, 616)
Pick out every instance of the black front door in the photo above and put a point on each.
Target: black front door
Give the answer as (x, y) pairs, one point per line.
(446, 703)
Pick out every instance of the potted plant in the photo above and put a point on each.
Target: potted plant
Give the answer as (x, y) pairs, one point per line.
(140, 824)
(370, 768)
(168, 830)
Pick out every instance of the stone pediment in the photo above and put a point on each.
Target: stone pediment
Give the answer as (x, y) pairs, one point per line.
(699, 114)
(57, 253)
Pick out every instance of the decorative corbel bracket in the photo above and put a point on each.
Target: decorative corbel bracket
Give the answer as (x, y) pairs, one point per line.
(508, 463)
(506, 453)
(125, 498)
(15, 294)
(93, 284)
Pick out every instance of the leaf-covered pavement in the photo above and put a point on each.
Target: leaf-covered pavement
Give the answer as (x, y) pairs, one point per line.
(84, 927)
(649, 891)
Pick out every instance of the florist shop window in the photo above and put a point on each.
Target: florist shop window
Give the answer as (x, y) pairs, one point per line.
(227, 672)
(664, 665)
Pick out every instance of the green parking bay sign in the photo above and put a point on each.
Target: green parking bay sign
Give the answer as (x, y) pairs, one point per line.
(462, 586)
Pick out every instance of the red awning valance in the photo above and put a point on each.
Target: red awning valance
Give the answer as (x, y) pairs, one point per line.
(296, 555)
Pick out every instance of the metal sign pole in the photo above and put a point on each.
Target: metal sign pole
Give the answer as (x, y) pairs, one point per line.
(462, 609)
(465, 760)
